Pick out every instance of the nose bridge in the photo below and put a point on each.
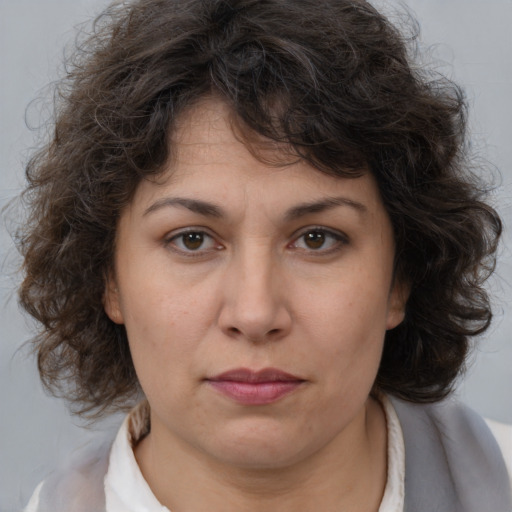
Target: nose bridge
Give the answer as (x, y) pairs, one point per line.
(254, 305)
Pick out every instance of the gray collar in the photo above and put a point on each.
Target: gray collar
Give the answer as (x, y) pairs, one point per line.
(452, 461)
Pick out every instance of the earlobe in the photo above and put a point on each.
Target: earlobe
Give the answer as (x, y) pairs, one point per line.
(397, 302)
(111, 302)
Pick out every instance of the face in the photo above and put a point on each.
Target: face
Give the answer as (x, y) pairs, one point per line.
(255, 299)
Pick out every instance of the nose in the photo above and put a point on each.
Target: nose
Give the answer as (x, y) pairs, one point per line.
(255, 305)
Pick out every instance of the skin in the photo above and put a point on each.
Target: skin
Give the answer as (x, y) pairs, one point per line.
(264, 282)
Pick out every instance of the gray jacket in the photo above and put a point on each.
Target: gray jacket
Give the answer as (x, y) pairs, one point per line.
(452, 464)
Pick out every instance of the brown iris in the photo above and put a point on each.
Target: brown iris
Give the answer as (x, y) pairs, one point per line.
(314, 239)
(193, 241)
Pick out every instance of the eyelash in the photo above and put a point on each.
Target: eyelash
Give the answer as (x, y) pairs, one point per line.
(339, 240)
(171, 243)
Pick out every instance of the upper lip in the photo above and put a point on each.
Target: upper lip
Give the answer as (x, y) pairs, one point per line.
(256, 376)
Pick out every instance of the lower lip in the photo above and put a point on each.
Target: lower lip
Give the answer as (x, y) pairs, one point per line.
(255, 393)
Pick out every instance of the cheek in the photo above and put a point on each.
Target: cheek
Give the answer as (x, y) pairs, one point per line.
(167, 322)
(156, 325)
(354, 305)
(351, 348)
(348, 323)
(162, 345)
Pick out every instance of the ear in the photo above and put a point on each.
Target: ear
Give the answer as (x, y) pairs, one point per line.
(111, 300)
(396, 304)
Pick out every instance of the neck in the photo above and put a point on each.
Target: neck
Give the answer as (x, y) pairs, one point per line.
(349, 473)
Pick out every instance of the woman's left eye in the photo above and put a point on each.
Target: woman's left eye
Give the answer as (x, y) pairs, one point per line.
(319, 240)
(193, 242)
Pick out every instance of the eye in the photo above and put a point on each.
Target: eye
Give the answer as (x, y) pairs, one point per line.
(319, 240)
(193, 241)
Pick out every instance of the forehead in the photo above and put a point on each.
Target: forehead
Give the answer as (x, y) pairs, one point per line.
(209, 124)
(211, 161)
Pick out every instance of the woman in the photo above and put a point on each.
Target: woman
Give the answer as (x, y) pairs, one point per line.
(257, 220)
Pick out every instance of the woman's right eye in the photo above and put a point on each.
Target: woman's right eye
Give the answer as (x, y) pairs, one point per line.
(193, 242)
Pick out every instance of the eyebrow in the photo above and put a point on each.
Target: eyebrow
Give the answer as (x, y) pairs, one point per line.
(208, 209)
(322, 205)
(195, 205)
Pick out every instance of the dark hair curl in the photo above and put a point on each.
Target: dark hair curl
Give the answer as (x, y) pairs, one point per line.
(329, 78)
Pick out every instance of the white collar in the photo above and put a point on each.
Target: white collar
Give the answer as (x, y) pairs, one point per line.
(126, 490)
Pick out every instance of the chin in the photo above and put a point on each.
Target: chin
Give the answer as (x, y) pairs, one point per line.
(261, 448)
(267, 459)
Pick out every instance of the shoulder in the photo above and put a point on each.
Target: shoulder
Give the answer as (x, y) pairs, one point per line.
(447, 420)
(450, 447)
(503, 435)
(33, 504)
(457, 427)
(76, 486)
(104, 469)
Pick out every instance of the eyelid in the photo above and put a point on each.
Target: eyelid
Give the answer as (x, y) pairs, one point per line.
(168, 241)
(339, 236)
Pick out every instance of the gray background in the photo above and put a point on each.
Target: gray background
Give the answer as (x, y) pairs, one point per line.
(472, 44)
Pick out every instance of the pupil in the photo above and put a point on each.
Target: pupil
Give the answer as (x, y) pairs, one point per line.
(193, 240)
(315, 239)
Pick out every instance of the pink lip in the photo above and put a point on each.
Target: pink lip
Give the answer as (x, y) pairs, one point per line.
(250, 387)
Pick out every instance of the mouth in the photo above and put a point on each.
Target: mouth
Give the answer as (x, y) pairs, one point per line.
(249, 387)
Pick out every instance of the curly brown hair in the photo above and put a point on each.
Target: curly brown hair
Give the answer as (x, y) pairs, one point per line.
(333, 80)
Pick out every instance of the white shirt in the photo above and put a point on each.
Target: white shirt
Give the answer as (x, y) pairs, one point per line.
(126, 490)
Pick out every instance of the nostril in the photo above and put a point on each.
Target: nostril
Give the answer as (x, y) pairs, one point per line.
(234, 331)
